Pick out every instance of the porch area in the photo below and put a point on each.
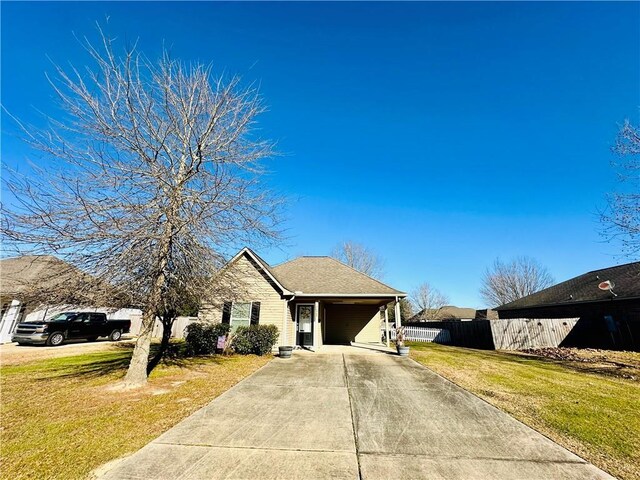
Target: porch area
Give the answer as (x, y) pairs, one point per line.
(317, 324)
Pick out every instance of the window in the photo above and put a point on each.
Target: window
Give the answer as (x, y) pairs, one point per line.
(240, 315)
(81, 317)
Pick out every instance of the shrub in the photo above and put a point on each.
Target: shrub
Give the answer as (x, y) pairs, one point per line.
(257, 339)
(202, 338)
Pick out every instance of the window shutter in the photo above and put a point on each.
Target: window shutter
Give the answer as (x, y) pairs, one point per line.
(226, 312)
(255, 313)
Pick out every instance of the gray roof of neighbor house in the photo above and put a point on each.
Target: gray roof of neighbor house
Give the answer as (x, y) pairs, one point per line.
(48, 279)
(584, 288)
(21, 273)
(326, 275)
(445, 313)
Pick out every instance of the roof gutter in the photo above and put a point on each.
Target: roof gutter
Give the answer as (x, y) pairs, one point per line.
(353, 295)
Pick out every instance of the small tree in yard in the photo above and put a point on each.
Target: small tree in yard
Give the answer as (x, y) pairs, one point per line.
(621, 220)
(152, 173)
(507, 282)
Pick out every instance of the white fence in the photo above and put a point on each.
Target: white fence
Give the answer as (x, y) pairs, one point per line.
(421, 334)
(177, 331)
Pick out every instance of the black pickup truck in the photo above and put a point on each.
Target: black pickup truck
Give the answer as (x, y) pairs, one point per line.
(70, 325)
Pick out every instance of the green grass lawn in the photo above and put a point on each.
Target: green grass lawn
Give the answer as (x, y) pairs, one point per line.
(591, 409)
(60, 420)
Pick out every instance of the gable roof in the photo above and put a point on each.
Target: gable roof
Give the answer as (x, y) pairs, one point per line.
(326, 276)
(260, 264)
(48, 279)
(584, 288)
(20, 274)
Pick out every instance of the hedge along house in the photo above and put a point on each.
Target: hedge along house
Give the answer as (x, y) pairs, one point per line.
(313, 301)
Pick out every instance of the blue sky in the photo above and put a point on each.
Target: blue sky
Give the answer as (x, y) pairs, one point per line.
(439, 135)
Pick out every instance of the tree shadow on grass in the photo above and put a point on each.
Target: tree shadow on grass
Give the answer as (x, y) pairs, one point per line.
(116, 362)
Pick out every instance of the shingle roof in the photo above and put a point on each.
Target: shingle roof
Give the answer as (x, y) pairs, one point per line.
(326, 275)
(447, 312)
(584, 288)
(48, 279)
(20, 274)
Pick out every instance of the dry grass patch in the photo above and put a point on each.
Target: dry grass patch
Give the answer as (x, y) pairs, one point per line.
(588, 407)
(61, 419)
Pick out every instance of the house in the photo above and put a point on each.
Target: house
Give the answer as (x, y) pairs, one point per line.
(25, 275)
(451, 313)
(313, 301)
(606, 302)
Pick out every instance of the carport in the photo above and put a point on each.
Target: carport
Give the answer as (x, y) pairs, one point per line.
(341, 320)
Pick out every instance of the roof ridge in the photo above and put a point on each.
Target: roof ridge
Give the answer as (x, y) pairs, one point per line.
(362, 273)
(608, 268)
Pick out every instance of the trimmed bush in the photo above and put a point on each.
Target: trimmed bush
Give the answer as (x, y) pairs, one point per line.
(202, 338)
(256, 339)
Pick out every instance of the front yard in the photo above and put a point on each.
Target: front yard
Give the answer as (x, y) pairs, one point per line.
(592, 408)
(61, 421)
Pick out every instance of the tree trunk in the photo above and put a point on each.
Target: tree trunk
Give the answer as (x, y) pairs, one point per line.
(137, 373)
(167, 323)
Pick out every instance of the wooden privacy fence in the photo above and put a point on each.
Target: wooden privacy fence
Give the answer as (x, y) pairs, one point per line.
(475, 334)
(422, 334)
(521, 333)
(513, 334)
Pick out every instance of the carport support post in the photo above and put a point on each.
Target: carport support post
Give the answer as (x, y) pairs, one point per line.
(315, 328)
(386, 325)
(397, 312)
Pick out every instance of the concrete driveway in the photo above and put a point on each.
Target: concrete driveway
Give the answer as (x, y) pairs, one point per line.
(350, 415)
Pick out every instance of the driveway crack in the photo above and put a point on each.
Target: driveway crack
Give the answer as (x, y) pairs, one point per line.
(353, 418)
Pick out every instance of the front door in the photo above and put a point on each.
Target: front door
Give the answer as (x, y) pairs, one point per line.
(304, 315)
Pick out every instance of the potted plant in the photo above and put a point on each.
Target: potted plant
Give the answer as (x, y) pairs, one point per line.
(285, 352)
(403, 351)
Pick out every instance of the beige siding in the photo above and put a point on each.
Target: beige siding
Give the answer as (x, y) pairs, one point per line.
(254, 288)
(352, 323)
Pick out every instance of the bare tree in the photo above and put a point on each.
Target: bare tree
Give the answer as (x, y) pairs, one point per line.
(151, 173)
(507, 282)
(429, 301)
(622, 217)
(359, 257)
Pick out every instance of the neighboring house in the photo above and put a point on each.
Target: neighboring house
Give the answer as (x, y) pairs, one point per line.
(312, 300)
(453, 313)
(21, 275)
(608, 318)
